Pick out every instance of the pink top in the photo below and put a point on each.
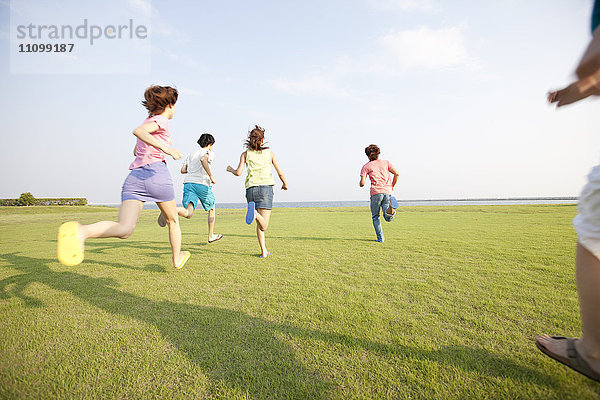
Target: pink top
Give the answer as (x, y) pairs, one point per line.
(146, 154)
(379, 173)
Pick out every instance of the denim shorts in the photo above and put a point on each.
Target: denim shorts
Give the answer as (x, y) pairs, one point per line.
(150, 182)
(261, 195)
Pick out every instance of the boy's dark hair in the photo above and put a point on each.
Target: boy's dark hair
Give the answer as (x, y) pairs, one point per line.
(256, 138)
(206, 139)
(158, 98)
(372, 151)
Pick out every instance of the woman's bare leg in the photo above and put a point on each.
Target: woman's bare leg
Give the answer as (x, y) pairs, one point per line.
(262, 223)
(169, 210)
(129, 212)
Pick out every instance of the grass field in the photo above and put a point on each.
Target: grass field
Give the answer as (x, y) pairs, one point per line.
(446, 308)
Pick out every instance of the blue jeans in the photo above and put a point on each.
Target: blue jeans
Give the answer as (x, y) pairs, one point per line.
(380, 202)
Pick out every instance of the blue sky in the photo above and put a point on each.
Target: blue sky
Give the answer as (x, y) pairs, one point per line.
(453, 93)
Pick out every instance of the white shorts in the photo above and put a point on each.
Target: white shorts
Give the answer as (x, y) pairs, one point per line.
(587, 221)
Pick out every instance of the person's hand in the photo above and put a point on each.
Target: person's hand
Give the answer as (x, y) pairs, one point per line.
(284, 186)
(569, 95)
(213, 180)
(229, 169)
(173, 153)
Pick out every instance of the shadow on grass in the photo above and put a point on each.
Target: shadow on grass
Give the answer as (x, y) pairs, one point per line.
(157, 249)
(316, 238)
(242, 351)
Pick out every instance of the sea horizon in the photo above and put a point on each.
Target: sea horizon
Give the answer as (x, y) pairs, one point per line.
(402, 203)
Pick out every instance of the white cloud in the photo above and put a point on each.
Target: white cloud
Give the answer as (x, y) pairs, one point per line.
(404, 5)
(431, 49)
(391, 55)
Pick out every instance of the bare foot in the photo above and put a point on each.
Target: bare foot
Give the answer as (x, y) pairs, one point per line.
(559, 347)
(161, 221)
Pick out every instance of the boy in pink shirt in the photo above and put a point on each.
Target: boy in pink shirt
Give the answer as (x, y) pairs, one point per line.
(382, 186)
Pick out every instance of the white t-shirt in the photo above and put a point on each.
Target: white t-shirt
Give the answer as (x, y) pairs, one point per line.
(196, 172)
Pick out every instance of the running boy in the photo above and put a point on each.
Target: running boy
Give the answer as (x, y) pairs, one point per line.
(149, 180)
(382, 187)
(197, 184)
(258, 160)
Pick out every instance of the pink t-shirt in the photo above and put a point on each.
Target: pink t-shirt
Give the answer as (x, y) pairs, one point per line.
(146, 154)
(379, 173)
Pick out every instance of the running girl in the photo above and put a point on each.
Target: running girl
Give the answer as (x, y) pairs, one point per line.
(258, 160)
(149, 180)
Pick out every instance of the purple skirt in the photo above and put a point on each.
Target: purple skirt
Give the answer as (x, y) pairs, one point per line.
(151, 182)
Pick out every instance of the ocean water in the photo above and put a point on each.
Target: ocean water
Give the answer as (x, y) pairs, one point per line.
(403, 203)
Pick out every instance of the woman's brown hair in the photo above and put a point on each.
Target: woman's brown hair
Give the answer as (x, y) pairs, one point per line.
(255, 140)
(158, 98)
(372, 151)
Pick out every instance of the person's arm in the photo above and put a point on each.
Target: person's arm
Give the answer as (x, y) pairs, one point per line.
(279, 171)
(395, 179)
(363, 180)
(135, 150)
(204, 161)
(590, 61)
(240, 168)
(143, 132)
(588, 74)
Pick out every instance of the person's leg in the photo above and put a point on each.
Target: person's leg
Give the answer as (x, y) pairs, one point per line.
(387, 209)
(211, 224)
(72, 235)
(393, 204)
(587, 271)
(588, 286)
(207, 199)
(187, 212)
(182, 212)
(375, 206)
(262, 223)
(169, 210)
(129, 212)
(189, 200)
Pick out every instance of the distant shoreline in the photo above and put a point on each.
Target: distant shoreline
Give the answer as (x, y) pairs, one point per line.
(403, 203)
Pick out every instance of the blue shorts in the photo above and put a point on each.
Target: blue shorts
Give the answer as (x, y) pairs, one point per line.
(192, 192)
(150, 182)
(261, 195)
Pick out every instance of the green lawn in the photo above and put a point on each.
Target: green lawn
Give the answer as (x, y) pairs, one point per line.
(446, 308)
